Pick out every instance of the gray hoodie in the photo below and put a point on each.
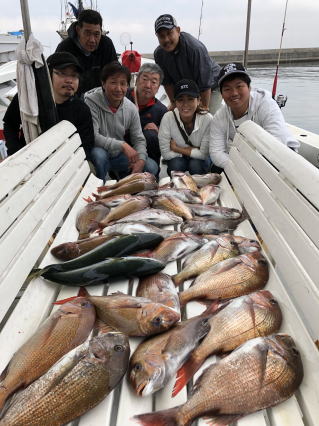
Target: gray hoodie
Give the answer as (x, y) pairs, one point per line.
(110, 128)
(263, 110)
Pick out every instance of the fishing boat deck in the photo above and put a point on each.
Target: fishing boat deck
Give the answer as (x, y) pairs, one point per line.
(42, 189)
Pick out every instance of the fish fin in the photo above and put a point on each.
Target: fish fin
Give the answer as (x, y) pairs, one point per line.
(159, 418)
(96, 196)
(177, 280)
(222, 420)
(102, 188)
(101, 327)
(36, 273)
(82, 236)
(213, 307)
(83, 292)
(88, 199)
(185, 373)
(147, 253)
(63, 301)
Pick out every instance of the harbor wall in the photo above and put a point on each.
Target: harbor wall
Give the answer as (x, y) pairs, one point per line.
(265, 56)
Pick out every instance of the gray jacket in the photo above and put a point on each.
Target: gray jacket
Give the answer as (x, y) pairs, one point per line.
(110, 128)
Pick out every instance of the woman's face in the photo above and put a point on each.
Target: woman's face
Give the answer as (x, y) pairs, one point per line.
(115, 88)
(186, 106)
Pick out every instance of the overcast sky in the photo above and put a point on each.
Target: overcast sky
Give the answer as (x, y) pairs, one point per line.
(223, 24)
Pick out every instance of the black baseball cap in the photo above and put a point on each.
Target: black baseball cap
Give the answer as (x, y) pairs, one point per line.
(61, 60)
(186, 87)
(165, 21)
(229, 69)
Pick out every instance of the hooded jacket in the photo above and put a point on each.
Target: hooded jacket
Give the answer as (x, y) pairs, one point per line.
(91, 62)
(199, 137)
(110, 128)
(262, 110)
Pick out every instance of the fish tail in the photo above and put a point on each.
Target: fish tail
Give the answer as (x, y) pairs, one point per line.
(3, 396)
(177, 279)
(63, 301)
(185, 373)
(159, 418)
(36, 273)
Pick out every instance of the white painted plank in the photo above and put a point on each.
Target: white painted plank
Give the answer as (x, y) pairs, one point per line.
(23, 162)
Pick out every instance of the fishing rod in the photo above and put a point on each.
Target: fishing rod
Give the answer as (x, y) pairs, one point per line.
(274, 87)
(200, 20)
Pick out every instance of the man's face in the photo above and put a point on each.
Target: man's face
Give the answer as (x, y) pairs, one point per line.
(89, 36)
(147, 85)
(168, 39)
(115, 88)
(236, 95)
(65, 82)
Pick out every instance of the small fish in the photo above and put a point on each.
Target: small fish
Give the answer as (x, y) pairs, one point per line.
(134, 316)
(73, 249)
(153, 217)
(203, 180)
(156, 360)
(135, 228)
(230, 278)
(114, 201)
(208, 255)
(183, 180)
(214, 211)
(176, 246)
(77, 383)
(185, 195)
(62, 331)
(211, 226)
(246, 317)
(261, 373)
(132, 205)
(88, 217)
(130, 188)
(173, 204)
(160, 289)
(210, 194)
(133, 177)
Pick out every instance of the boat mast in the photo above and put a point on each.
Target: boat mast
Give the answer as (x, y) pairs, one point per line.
(247, 33)
(200, 20)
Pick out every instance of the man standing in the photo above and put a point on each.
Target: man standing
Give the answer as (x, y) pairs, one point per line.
(65, 72)
(92, 49)
(180, 55)
(151, 110)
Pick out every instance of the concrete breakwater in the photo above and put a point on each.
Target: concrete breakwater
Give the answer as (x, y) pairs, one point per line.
(266, 56)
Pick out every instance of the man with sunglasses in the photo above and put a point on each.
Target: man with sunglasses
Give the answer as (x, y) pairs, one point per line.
(65, 72)
(92, 49)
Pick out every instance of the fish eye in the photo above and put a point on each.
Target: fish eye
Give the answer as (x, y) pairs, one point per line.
(262, 262)
(137, 367)
(119, 348)
(273, 301)
(204, 321)
(295, 351)
(83, 304)
(157, 320)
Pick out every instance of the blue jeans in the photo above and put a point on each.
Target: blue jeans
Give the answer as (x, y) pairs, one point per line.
(104, 163)
(193, 165)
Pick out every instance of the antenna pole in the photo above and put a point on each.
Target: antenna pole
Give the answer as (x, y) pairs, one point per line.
(274, 87)
(247, 33)
(200, 20)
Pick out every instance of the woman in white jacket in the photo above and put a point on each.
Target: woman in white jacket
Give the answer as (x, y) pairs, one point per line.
(241, 104)
(184, 133)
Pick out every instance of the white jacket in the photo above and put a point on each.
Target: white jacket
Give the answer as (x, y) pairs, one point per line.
(263, 110)
(199, 137)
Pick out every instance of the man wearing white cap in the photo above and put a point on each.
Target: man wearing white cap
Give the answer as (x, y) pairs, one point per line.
(180, 55)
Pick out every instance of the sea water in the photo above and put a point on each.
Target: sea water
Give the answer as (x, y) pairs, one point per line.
(301, 86)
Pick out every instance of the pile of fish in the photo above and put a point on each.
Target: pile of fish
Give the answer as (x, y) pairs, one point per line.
(124, 233)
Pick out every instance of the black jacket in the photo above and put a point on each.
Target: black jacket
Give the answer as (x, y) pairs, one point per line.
(91, 64)
(73, 110)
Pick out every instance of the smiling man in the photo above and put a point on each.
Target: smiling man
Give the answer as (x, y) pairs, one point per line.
(180, 55)
(92, 49)
(242, 104)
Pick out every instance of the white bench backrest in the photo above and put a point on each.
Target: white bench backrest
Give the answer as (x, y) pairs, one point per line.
(52, 174)
(280, 191)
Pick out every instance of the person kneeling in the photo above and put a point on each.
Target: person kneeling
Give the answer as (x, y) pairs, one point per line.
(184, 133)
(114, 116)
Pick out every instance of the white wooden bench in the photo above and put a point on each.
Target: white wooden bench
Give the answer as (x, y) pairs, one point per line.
(278, 188)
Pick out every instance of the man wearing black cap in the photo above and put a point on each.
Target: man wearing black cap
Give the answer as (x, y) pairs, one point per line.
(65, 71)
(180, 55)
(92, 49)
(242, 104)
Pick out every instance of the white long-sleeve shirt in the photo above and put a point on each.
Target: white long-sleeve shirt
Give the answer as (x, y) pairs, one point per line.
(199, 137)
(263, 110)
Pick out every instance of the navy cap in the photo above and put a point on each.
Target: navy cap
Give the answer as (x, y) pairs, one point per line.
(186, 87)
(234, 68)
(61, 60)
(165, 21)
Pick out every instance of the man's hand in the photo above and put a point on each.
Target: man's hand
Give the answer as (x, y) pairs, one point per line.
(173, 145)
(131, 154)
(138, 166)
(151, 126)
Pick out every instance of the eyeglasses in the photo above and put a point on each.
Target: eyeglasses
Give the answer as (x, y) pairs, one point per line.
(63, 74)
